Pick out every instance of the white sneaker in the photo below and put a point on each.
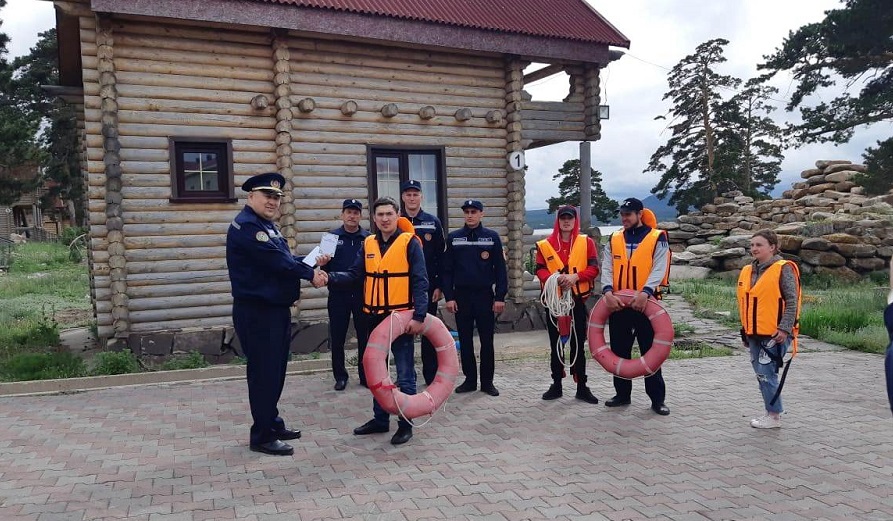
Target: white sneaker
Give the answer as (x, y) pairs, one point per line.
(765, 422)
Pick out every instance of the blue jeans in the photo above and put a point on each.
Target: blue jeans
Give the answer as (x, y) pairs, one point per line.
(888, 366)
(403, 349)
(767, 376)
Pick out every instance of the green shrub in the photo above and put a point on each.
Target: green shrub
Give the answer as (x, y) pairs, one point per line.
(42, 366)
(70, 234)
(34, 257)
(114, 362)
(192, 360)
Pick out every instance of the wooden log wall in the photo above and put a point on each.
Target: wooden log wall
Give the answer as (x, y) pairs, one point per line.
(170, 80)
(160, 265)
(389, 88)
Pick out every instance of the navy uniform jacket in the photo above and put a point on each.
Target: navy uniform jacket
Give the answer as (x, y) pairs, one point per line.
(418, 276)
(474, 259)
(430, 231)
(261, 267)
(345, 255)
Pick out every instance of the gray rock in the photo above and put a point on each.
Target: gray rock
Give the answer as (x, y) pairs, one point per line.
(728, 253)
(205, 341)
(816, 244)
(806, 174)
(866, 264)
(855, 250)
(828, 259)
(840, 176)
(684, 257)
(735, 241)
(689, 272)
(845, 166)
(825, 163)
(843, 273)
(702, 249)
(736, 264)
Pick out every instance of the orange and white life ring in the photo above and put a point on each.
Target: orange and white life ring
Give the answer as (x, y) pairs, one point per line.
(644, 365)
(386, 393)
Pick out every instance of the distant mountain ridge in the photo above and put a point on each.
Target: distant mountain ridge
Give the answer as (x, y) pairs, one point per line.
(539, 219)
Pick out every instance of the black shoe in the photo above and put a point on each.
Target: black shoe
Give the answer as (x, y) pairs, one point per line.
(287, 434)
(402, 435)
(661, 409)
(553, 392)
(466, 387)
(490, 389)
(340, 385)
(371, 427)
(583, 393)
(617, 402)
(275, 447)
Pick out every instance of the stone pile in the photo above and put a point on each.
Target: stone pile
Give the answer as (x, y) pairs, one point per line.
(826, 223)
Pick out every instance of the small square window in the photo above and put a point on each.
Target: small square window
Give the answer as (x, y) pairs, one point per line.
(201, 170)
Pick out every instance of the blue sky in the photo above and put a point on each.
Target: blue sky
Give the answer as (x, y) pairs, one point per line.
(662, 32)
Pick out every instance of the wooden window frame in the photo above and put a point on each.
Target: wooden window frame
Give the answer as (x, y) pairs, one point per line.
(403, 151)
(225, 178)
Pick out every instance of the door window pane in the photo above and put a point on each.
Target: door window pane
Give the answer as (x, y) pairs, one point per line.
(423, 168)
(387, 170)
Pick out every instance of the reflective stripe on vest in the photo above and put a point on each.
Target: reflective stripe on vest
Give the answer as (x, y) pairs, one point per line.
(387, 287)
(633, 272)
(578, 260)
(761, 306)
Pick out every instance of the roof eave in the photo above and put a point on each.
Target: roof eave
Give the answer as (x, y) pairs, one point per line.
(354, 25)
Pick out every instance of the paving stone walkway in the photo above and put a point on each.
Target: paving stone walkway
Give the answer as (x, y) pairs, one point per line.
(176, 452)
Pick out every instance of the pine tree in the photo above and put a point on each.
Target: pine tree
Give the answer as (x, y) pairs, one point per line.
(688, 160)
(18, 146)
(604, 208)
(751, 154)
(855, 45)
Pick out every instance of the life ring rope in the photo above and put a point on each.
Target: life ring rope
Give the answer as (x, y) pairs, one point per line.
(560, 304)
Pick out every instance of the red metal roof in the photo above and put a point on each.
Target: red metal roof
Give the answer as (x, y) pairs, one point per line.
(565, 19)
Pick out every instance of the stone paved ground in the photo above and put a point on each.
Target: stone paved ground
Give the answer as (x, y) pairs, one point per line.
(177, 452)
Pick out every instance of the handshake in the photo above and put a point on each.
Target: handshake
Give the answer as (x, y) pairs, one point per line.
(320, 279)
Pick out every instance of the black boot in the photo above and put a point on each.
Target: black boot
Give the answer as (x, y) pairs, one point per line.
(583, 392)
(554, 391)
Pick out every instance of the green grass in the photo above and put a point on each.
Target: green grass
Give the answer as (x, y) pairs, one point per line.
(114, 362)
(846, 314)
(191, 360)
(42, 366)
(688, 349)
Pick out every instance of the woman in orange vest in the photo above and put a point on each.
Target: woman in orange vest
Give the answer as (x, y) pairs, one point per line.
(769, 309)
(575, 257)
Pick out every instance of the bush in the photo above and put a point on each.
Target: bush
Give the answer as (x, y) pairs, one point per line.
(70, 234)
(115, 362)
(192, 360)
(42, 366)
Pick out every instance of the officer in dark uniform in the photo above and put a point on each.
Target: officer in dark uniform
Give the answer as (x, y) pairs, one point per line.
(430, 231)
(472, 266)
(346, 301)
(266, 281)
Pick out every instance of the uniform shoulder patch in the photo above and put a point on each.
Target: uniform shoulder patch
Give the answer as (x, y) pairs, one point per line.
(262, 236)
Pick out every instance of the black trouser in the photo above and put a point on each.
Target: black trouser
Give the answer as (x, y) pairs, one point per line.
(576, 342)
(264, 334)
(429, 356)
(475, 307)
(625, 326)
(341, 306)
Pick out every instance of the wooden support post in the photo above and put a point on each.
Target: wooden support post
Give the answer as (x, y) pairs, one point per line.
(585, 186)
(514, 88)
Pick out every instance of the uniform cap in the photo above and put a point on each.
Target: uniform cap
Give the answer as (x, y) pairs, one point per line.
(352, 203)
(411, 184)
(473, 203)
(269, 182)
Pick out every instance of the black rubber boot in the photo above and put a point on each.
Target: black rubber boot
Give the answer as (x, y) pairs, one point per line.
(554, 391)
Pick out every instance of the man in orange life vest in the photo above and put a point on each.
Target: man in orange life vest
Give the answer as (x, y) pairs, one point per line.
(575, 256)
(636, 259)
(391, 265)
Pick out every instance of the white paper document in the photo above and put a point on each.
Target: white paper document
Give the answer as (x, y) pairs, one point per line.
(326, 246)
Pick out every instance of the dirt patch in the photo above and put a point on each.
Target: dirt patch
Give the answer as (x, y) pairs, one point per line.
(73, 317)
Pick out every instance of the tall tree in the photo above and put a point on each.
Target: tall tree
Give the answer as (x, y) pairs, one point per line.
(855, 45)
(687, 161)
(58, 138)
(603, 207)
(18, 145)
(752, 141)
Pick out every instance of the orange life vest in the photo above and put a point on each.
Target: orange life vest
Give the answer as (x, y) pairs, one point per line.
(387, 286)
(577, 261)
(761, 306)
(632, 272)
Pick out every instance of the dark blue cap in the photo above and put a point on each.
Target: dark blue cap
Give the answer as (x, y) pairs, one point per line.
(473, 203)
(631, 204)
(567, 210)
(412, 184)
(269, 182)
(352, 203)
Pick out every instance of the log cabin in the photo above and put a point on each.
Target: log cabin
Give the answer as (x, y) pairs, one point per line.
(180, 101)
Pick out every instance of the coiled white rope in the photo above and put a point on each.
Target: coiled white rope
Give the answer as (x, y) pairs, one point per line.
(396, 379)
(560, 303)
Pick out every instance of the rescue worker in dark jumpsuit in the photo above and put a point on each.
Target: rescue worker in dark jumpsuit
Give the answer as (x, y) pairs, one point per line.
(473, 264)
(391, 266)
(266, 281)
(347, 301)
(429, 229)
